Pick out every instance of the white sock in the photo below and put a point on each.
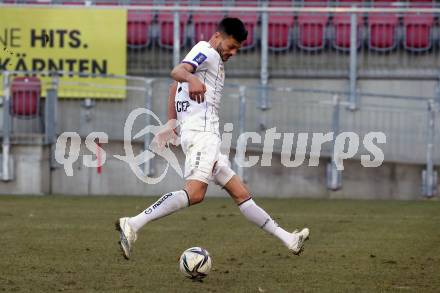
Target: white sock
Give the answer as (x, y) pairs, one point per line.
(167, 204)
(257, 215)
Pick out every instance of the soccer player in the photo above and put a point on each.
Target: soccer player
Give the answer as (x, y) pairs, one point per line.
(195, 100)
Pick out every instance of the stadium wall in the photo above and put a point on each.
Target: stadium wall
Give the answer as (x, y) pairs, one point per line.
(31, 171)
(33, 175)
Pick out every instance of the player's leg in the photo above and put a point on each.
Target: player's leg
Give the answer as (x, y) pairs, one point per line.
(169, 203)
(196, 191)
(165, 205)
(255, 214)
(199, 163)
(198, 171)
(225, 176)
(193, 193)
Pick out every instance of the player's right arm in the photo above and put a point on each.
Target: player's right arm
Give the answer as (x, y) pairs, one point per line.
(184, 73)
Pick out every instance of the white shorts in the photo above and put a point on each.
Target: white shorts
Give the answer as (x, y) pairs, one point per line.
(203, 161)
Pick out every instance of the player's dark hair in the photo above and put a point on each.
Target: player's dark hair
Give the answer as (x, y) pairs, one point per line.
(233, 27)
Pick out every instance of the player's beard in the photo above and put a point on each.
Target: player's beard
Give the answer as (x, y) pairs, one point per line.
(221, 52)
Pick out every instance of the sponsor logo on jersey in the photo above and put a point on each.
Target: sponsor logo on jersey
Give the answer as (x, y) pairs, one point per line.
(200, 58)
(182, 106)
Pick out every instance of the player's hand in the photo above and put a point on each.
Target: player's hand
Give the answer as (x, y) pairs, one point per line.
(196, 90)
(167, 134)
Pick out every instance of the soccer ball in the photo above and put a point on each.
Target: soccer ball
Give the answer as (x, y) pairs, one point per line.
(195, 263)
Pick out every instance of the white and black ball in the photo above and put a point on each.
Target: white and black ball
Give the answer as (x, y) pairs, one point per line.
(195, 263)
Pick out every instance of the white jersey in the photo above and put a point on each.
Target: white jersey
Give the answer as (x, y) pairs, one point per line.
(209, 70)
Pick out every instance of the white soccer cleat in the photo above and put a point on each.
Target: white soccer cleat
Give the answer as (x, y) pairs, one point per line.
(297, 245)
(127, 236)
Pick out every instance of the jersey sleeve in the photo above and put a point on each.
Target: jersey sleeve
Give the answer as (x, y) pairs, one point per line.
(197, 57)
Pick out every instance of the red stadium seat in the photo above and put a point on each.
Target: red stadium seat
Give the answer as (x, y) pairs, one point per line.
(311, 28)
(285, 3)
(342, 27)
(244, 2)
(73, 2)
(250, 20)
(25, 97)
(166, 28)
(349, 3)
(382, 31)
(281, 3)
(140, 2)
(280, 26)
(280, 31)
(38, 2)
(417, 31)
(212, 3)
(138, 28)
(106, 3)
(315, 3)
(383, 2)
(205, 25)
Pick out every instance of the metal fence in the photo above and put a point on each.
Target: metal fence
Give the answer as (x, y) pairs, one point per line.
(37, 107)
(404, 120)
(291, 40)
(410, 123)
(286, 40)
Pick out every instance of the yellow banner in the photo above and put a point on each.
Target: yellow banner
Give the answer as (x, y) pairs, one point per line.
(85, 40)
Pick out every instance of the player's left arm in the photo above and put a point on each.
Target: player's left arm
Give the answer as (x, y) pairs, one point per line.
(168, 131)
(172, 114)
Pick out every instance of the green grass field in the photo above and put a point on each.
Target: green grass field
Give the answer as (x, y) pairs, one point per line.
(54, 244)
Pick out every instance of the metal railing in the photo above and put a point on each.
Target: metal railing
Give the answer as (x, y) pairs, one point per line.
(302, 42)
(410, 123)
(306, 42)
(400, 41)
(34, 114)
(297, 40)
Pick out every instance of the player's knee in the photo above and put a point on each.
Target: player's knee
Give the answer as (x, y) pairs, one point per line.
(196, 197)
(196, 191)
(223, 172)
